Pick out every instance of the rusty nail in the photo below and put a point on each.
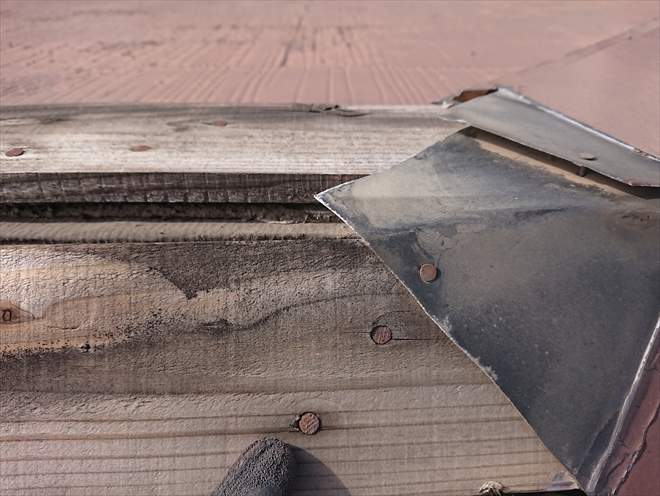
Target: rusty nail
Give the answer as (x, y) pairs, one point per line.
(309, 423)
(140, 148)
(220, 123)
(428, 272)
(6, 315)
(582, 171)
(381, 334)
(587, 156)
(15, 152)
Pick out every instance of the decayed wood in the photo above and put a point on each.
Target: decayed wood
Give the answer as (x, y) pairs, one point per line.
(145, 368)
(265, 153)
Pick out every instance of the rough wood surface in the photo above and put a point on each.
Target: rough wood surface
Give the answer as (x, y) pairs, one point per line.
(265, 153)
(145, 368)
(158, 232)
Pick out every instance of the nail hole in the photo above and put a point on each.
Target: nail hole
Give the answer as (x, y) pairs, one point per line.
(6, 315)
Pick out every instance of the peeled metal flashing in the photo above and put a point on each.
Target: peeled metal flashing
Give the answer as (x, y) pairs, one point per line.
(548, 282)
(513, 116)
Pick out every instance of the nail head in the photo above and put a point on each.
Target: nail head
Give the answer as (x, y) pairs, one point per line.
(15, 152)
(140, 148)
(587, 156)
(428, 272)
(381, 334)
(309, 423)
(220, 123)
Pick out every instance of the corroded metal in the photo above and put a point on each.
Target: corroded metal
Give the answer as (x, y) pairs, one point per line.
(547, 280)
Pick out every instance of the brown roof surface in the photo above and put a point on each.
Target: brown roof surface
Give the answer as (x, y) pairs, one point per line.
(614, 86)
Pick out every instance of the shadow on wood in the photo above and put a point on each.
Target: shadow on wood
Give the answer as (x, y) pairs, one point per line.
(314, 475)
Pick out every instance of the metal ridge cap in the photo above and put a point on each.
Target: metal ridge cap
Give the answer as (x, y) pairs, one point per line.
(513, 94)
(490, 110)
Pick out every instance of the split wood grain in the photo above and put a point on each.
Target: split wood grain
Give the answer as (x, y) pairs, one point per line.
(282, 154)
(145, 368)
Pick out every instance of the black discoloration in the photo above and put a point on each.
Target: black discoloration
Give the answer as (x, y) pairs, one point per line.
(212, 265)
(549, 282)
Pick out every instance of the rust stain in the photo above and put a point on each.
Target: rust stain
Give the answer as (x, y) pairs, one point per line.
(381, 334)
(641, 183)
(15, 152)
(309, 423)
(467, 95)
(428, 273)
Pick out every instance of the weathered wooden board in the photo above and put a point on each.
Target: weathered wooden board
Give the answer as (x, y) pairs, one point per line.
(140, 357)
(264, 153)
(158, 232)
(145, 368)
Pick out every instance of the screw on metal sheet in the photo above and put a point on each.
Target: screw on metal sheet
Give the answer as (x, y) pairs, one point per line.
(308, 423)
(587, 156)
(582, 171)
(15, 152)
(140, 148)
(6, 315)
(220, 123)
(428, 272)
(381, 334)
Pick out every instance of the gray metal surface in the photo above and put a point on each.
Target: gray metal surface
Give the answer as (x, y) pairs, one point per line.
(514, 116)
(550, 282)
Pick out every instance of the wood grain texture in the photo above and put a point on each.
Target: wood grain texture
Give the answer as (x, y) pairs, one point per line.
(146, 368)
(265, 153)
(158, 232)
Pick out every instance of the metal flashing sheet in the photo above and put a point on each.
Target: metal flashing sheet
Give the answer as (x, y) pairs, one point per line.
(549, 282)
(516, 117)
